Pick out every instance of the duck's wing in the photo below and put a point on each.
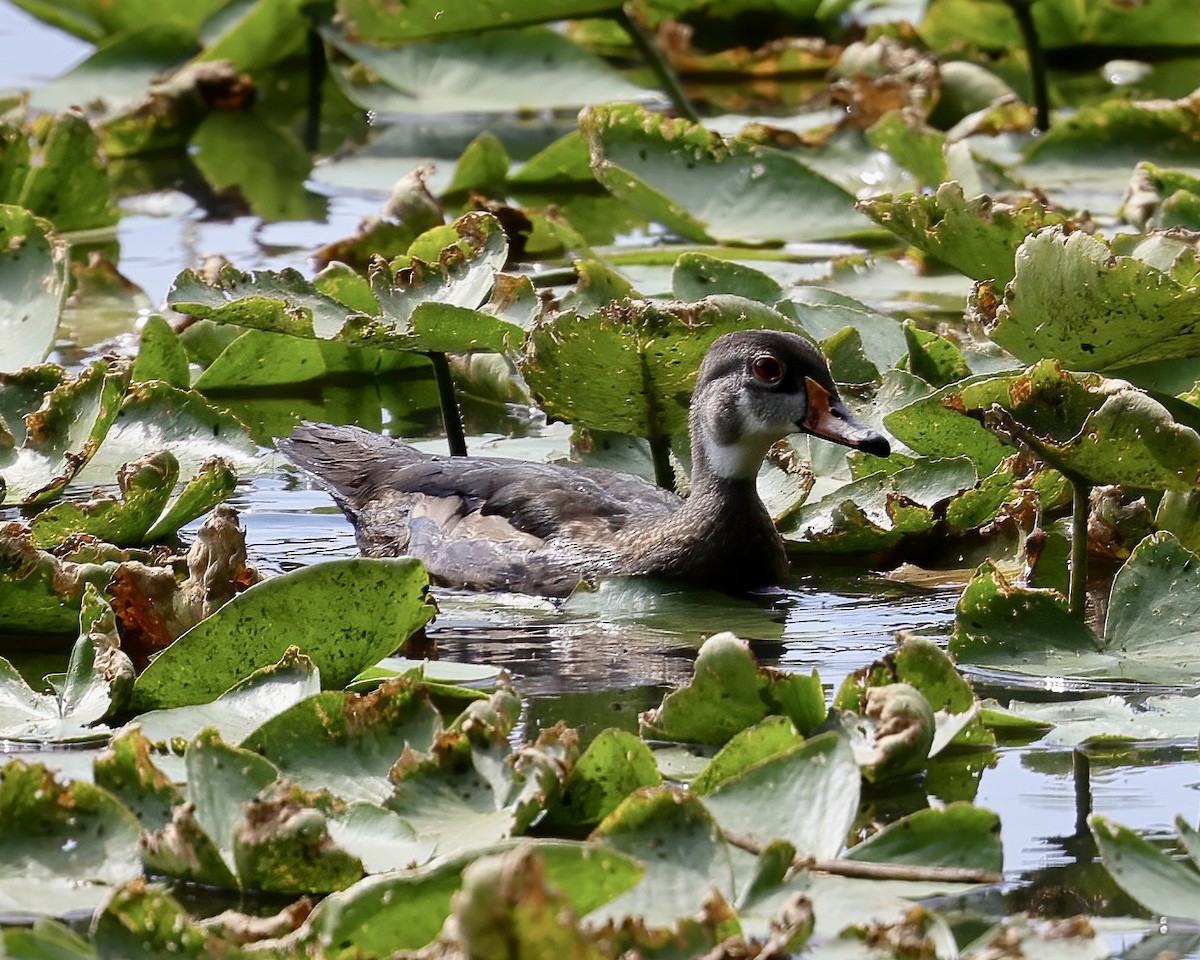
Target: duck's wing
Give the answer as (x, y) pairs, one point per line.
(542, 500)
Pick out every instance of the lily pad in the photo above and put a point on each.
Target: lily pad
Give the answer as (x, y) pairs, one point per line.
(33, 286)
(1074, 299)
(1158, 882)
(614, 765)
(497, 71)
(378, 604)
(379, 22)
(62, 846)
(958, 835)
(66, 181)
(706, 188)
(96, 684)
(978, 236)
(1148, 636)
(631, 367)
(347, 743)
(730, 692)
(56, 423)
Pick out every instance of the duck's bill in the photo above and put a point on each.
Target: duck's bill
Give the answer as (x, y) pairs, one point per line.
(829, 418)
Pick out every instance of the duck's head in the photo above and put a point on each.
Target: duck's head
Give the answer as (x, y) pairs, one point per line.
(758, 386)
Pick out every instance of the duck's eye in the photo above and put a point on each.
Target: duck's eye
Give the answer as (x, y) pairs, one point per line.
(768, 369)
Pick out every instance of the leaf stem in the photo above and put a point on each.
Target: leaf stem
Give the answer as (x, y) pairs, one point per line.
(1081, 772)
(876, 871)
(451, 419)
(1081, 492)
(657, 62)
(1023, 11)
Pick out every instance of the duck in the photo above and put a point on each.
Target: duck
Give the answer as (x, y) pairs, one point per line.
(494, 524)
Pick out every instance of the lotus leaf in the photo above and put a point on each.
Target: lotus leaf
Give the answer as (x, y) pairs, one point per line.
(631, 367)
(1158, 882)
(706, 188)
(534, 68)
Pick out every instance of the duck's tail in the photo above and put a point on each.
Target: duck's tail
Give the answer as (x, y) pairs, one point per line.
(347, 461)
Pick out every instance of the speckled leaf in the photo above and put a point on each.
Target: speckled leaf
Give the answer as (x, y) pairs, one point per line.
(935, 359)
(157, 416)
(806, 795)
(240, 710)
(145, 487)
(143, 922)
(382, 23)
(1158, 882)
(33, 285)
(126, 769)
(212, 485)
(631, 367)
(347, 743)
(1074, 299)
(766, 739)
(614, 765)
(958, 835)
(161, 355)
(62, 847)
(344, 615)
(978, 236)
(670, 832)
(495, 71)
(67, 182)
(729, 692)
(706, 188)
(57, 423)
(697, 275)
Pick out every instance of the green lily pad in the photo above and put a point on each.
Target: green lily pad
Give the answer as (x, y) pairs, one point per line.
(418, 305)
(126, 769)
(96, 684)
(935, 359)
(56, 423)
(879, 510)
(768, 738)
(1073, 298)
(614, 765)
(630, 368)
(141, 921)
(806, 795)
(978, 236)
(707, 188)
(62, 847)
(33, 286)
(379, 22)
(240, 710)
(66, 181)
(1112, 718)
(958, 835)
(344, 615)
(730, 692)
(1148, 635)
(347, 743)
(161, 355)
(1155, 880)
(671, 834)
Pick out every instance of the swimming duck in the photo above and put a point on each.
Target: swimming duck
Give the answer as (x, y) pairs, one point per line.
(487, 523)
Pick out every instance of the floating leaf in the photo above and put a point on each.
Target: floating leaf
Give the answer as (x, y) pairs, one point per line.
(958, 835)
(1158, 882)
(706, 188)
(378, 604)
(631, 367)
(161, 355)
(33, 285)
(730, 692)
(1074, 299)
(57, 423)
(977, 236)
(347, 743)
(66, 181)
(614, 765)
(496, 71)
(419, 20)
(62, 847)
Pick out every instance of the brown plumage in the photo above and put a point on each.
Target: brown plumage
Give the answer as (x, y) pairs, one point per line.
(487, 523)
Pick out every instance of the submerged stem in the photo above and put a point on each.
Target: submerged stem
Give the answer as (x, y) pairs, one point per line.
(1081, 492)
(451, 419)
(655, 60)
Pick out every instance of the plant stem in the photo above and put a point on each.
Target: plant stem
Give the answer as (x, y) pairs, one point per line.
(1023, 11)
(876, 871)
(1081, 493)
(666, 76)
(1081, 772)
(455, 437)
(317, 68)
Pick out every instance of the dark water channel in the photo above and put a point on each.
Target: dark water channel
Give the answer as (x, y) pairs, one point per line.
(598, 662)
